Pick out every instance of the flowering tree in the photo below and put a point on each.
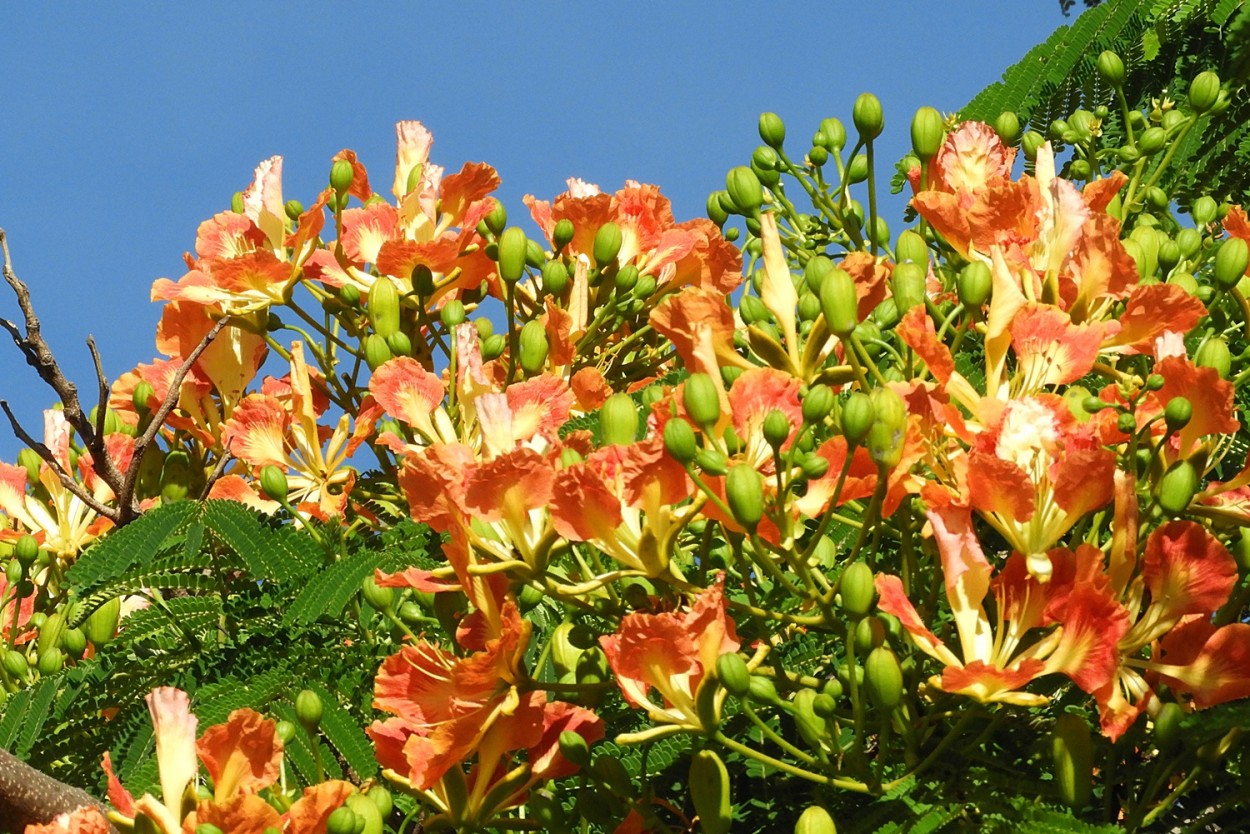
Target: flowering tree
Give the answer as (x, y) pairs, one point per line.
(435, 523)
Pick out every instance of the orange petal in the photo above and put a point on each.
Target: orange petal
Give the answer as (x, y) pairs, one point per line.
(242, 756)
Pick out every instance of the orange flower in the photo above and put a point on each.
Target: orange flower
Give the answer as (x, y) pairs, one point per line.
(280, 428)
(85, 820)
(671, 653)
(241, 756)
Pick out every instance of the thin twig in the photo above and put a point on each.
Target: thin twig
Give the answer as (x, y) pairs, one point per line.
(125, 496)
(66, 480)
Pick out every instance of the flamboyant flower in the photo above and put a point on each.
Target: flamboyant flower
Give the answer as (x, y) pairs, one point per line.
(63, 523)
(279, 427)
(85, 820)
(174, 728)
(671, 653)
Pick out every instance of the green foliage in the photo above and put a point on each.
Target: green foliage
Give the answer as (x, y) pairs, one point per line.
(1164, 44)
(240, 612)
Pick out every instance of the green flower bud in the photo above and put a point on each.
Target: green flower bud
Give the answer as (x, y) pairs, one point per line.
(869, 634)
(293, 209)
(236, 202)
(1178, 413)
(1152, 140)
(889, 427)
(858, 415)
(1178, 486)
(752, 310)
(512, 253)
(574, 748)
(815, 271)
(533, 346)
(857, 171)
(715, 212)
(835, 134)
(50, 632)
(907, 284)
(626, 278)
(731, 671)
(382, 799)
(772, 130)
(1128, 154)
(493, 347)
(815, 820)
(1204, 210)
(383, 307)
(857, 589)
(14, 572)
(341, 175)
(452, 314)
(308, 709)
(607, 244)
(618, 420)
(839, 302)
(26, 549)
(1189, 241)
(1126, 423)
(1031, 142)
(814, 466)
(377, 351)
(884, 677)
(51, 661)
(817, 156)
(1204, 91)
(701, 398)
(763, 158)
(1007, 126)
(710, 792)
(273, 482)
(1110, 68)
(562, 234)
(974, 285)
(711, 461)
(376, 596)
(867, 116)
(744, 493)
(555, 277)
(207, 828)
(928, 129)
(680, 441)
(911, 248)
(744, 189)
(1168, 725)
(818, 403)
(342, 820)
(399, 343)
(497, 219)
(349, 295)
(15, 663)
(1169, 254)
(1231, 260)
(1214, 353)
(1073, 754)
(101, 626)
(776, 428)
(74, 642)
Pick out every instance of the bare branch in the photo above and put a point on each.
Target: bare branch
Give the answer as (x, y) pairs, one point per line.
(125, 496)
(38, 355)
(64, 477)
(106, 467)
(29, 796)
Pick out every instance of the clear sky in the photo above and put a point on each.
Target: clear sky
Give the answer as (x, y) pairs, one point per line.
(124, 125)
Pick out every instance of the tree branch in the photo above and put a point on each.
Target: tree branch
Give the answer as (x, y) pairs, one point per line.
(28, 795)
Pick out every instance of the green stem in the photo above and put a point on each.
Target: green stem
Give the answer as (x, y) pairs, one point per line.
(819, 778)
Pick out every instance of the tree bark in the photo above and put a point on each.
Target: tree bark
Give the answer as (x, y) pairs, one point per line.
(30, 796)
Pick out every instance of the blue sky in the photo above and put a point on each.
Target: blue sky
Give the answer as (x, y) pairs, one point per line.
(125, 125)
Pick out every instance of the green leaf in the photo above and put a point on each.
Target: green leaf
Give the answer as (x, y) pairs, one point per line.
(280, 554)
(24, 715)
(326, 593)
(135, 544)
